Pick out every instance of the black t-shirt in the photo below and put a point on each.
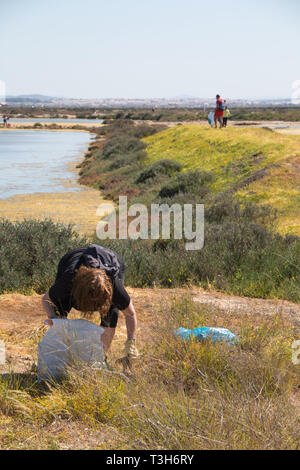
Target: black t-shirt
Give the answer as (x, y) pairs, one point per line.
(93, 256)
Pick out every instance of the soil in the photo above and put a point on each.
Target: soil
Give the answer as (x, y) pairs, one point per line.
(22, 318)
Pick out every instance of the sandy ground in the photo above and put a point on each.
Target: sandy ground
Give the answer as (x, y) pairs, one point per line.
(289, 131)
(77, 208)
(21, 327)
(22, 317)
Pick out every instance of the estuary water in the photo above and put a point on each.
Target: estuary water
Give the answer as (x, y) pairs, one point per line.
(39, 161)
(56, 121)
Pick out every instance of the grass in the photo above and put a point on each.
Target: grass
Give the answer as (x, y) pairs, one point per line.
(243, 253)
(73, 207)
(259, 166)
(183, 395)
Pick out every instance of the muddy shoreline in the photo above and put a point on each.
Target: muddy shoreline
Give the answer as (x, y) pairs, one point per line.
(76, 207)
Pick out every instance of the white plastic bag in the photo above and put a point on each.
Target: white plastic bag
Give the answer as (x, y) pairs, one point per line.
(68, 343)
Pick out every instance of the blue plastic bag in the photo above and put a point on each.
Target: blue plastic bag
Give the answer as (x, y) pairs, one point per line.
(211, 118)
(202, 333)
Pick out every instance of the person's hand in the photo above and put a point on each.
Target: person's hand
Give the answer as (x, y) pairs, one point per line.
(130, 354)
(130, 349)
(49, 321)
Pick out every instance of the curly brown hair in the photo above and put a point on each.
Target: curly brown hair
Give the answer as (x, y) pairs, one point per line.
(92, 290)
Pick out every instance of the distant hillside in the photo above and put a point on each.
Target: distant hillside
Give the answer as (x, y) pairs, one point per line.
(30, 98)
(255, 165)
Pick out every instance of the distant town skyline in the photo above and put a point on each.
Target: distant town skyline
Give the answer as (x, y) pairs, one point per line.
(178, 97)
(150, 50)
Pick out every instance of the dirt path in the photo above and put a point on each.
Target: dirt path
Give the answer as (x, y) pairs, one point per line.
(235, 304)
(21, 318)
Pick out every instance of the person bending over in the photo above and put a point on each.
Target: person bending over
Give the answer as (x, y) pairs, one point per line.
(91, 279)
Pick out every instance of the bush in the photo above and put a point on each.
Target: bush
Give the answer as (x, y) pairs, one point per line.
(30, 252)
(165, 167)
(144, 130)
(240, 256)
(119, 126)
(224, 207)
(127, 159)
(120, 145)
(188, 182)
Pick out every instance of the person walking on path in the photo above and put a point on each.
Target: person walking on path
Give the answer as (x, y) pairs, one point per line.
(226, 115)
(219, 111)
(5, 118)
(91, 279)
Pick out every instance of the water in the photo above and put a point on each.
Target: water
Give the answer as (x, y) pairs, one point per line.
(285, 126)
(56, 121)
(39, 161)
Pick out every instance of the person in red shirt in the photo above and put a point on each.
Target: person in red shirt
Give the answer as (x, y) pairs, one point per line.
(218, 112)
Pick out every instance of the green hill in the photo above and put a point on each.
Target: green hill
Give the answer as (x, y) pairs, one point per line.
(254, 164)
(239, 174)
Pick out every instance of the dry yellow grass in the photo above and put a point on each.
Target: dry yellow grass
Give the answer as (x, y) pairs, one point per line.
(78, 208)
(182, 396)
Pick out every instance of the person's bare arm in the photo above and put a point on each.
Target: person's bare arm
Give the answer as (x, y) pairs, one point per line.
(131, 321)
(47, 304)
(130, 352)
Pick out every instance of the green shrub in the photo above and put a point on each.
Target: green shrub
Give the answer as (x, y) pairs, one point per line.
(224, 207)
(120, 145)
(30, 251)
(127, 159)
(188, 182)
(165, 167)
(144, 130)
(239, 256)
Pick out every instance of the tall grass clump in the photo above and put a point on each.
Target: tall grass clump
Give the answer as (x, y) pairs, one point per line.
(182, 394)
(214, 396)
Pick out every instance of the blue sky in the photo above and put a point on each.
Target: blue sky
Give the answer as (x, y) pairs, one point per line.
(143, 48)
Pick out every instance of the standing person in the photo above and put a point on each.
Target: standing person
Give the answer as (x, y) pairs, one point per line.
(219, 111)
(4, 121)
(226, 116)
(91, 279)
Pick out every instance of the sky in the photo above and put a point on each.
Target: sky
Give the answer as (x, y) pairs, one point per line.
(150, 49)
